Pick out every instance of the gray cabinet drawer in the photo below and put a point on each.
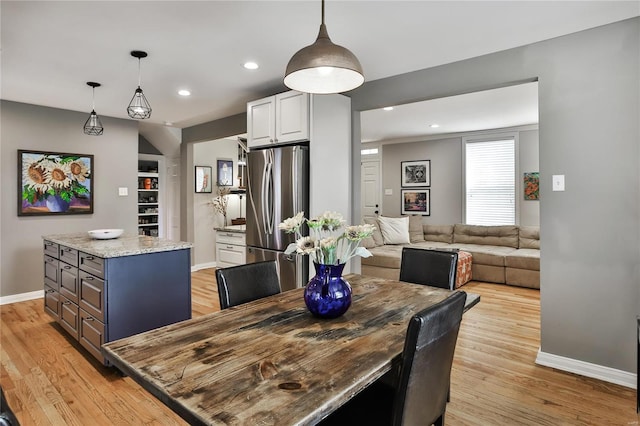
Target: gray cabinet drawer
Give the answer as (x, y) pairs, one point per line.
(51, 249)
(92, 264)
(92, 295)
(51, 271)
(68, 281)
(69, 255)
(91, 334)
(69, 316)
(51, 302)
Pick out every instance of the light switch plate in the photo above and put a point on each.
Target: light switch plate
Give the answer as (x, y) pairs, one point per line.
(558, 182)
(388, 191)
(123, 192)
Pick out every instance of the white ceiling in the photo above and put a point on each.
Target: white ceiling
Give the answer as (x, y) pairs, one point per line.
(50, 49)
(491, 109)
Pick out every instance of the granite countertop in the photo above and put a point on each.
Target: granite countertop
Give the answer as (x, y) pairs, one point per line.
(125, 245)
(241, 229)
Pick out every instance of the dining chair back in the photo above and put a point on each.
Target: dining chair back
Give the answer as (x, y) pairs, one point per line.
(436, 268)
(7, 417)
(417, 394)
(425, 373)
(245, 283)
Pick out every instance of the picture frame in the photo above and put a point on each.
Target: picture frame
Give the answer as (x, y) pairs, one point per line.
(203, 181)
(225, 173)
(416, 201)
(54, 183)
(531, 189)
(415, 173)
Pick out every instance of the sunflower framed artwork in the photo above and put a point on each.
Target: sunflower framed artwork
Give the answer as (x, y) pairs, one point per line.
(54, 183)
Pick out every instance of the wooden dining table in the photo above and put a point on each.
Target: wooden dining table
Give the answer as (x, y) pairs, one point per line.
(270, 362)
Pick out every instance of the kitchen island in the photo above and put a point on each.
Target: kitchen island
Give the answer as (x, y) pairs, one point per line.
(104, 290)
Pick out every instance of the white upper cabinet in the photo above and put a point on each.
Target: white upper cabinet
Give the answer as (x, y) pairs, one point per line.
(278, 119)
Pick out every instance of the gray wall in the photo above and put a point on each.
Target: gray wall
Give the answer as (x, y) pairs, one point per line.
(116, 163)
(588, 86)
(447, 176)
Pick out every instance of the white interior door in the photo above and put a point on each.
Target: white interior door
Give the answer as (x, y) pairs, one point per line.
(370, 187)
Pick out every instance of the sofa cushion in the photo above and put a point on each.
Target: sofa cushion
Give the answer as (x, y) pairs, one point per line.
(530, 237)
(524, 259)
(387, 256)
(441, 233)
(395, 230)
(415, 229)
(506, 236)
(377, 235)
(486, 255)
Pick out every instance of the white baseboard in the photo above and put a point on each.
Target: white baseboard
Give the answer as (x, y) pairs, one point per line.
(199, 266)
(38, 294)
(587, 369)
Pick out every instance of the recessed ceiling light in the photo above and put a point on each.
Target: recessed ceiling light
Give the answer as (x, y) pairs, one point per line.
(251, 65)
(184, 92)
(168, 123)
(388, 108)
(434, 126)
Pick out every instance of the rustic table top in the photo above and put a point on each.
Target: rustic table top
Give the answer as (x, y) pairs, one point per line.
(270, 362)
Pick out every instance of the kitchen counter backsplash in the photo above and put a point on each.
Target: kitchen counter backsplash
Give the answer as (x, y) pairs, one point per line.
(125, 245)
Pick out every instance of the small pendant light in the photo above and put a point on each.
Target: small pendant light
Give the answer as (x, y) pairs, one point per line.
(93, 126)
(139, 107)
(323, 67)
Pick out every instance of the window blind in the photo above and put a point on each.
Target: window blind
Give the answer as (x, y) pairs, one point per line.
(490, 182)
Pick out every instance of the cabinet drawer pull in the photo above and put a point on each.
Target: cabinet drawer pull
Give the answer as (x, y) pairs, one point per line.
(230, 247)
(50, 291)
(66, 302)
(88, 278)
(89, 258)
(66, 267)
(89, 318)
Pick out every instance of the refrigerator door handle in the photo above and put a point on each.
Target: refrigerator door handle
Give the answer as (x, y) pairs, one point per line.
(294, 179)
(267, 194)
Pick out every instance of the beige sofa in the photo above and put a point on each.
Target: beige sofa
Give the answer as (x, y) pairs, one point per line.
(501, 254)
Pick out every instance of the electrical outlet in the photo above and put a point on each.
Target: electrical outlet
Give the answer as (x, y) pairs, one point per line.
(388, 191)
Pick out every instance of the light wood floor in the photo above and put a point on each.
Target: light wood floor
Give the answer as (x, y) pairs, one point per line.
(48, 380)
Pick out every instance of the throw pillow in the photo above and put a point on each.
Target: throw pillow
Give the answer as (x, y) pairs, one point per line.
(416, 234)
(376, 236)
(395, 230)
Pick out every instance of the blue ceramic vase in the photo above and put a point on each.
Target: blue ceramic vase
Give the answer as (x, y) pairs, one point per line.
(328, 295)
(56, 204)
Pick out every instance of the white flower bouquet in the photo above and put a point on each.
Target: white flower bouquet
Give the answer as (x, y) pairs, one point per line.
(327, 244)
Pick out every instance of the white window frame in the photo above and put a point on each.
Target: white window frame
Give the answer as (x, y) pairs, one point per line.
(517, 181)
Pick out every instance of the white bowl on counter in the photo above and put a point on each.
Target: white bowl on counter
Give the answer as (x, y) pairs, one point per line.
(105, 234)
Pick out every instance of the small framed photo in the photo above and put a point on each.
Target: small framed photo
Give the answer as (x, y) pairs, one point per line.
(203, 179)
(225, 173)
(416, 173)
(532, 186)
(416, 201)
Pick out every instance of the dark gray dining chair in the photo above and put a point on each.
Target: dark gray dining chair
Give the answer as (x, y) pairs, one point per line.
(436, 268)
(419, 396)
(7, 417)
(245, 283)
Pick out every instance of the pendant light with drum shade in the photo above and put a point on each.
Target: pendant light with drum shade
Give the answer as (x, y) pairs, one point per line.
(323, 67)
(93, 125)
(139, 107)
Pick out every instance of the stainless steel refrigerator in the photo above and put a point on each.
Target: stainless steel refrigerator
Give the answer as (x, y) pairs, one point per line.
(277, 188)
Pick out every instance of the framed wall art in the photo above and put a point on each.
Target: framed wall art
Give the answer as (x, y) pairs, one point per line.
(416, 173)
(532, 186)
(203, 179)
(225, 173)
(54, 183)
(416, 201)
